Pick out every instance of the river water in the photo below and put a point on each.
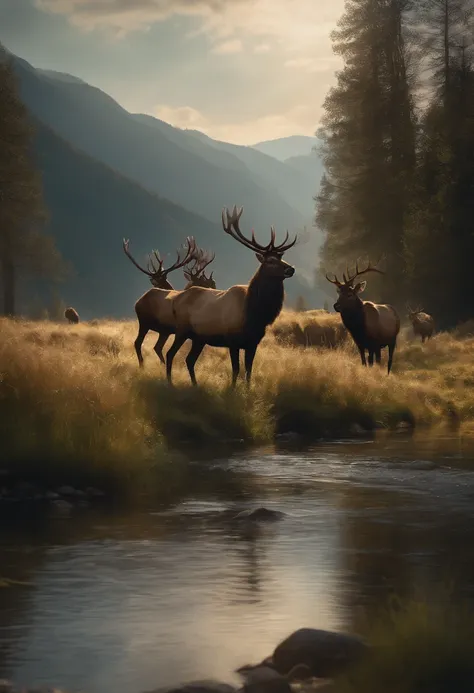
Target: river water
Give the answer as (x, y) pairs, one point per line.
(104, 601)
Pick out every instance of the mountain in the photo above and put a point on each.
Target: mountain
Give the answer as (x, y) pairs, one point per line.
(94, 123)
(109, 174)
(92, 208)
(286, 147)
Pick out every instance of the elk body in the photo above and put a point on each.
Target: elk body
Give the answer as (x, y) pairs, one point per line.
(71, 315)
(153, 309)
(423, 324)
(238, 317)
(373, 326)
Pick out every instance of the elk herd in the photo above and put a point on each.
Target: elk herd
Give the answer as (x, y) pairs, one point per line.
(237, 318)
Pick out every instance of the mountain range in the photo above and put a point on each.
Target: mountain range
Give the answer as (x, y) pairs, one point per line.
(110, 174)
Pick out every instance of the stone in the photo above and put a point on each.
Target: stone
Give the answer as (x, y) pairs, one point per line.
(260, 514)
(265, 680)
(206, 686)
(325, 653)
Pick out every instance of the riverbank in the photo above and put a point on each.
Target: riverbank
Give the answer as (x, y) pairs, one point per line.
(76, 411)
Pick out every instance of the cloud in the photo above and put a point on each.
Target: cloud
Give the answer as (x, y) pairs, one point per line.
(262, 48)
(228, 47)
(296, 24)
(296, 120)
(184, 117)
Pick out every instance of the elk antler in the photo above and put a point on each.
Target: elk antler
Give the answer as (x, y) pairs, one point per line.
(202, 259)
(230, 224)
(157, 269)
(350, 277)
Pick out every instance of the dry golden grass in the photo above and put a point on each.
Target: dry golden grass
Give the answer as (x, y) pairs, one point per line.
(73, 401)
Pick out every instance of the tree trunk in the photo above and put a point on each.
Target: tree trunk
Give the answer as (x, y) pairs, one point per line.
(8, 279)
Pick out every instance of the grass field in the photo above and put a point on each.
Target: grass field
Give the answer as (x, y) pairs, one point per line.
(418, 646)
(73, 403)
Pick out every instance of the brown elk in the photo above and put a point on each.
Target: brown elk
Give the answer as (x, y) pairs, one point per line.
(153, 309)
(372, 326)
(423, 323)
(238, 317)
(71, 315)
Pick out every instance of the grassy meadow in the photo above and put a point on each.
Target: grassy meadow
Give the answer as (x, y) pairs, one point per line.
(74, 407)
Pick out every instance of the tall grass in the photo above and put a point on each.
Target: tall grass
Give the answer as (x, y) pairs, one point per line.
(74, 405)
(418, 646)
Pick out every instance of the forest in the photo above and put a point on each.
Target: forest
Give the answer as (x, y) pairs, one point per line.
(398, 148)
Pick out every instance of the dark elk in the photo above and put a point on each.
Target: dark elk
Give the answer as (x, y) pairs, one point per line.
(153, 309)
(238, 317)
(373, 326)
(71, 315)
(423, 323)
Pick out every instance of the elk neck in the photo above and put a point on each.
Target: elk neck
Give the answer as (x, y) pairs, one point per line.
(354, 321)
(263, 304)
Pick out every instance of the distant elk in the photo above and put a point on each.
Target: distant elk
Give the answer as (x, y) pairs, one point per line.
(71, 315)
(153, 309)
(238, 317)
(423, 324)
(373, 326)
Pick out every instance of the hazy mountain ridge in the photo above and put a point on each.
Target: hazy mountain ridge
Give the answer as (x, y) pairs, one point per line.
(283, 148)
(94, 204)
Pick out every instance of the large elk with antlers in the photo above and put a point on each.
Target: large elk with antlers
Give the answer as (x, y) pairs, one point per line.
(422, 323)
(238, 317)
(373, 326)
(153, 309)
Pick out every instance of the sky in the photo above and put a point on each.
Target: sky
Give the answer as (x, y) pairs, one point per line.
(241, 71)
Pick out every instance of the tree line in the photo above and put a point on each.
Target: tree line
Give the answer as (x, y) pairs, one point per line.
(398, 147)
(26, 251)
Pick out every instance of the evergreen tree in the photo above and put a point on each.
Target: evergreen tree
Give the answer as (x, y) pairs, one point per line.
(23, 248)
(368, 133)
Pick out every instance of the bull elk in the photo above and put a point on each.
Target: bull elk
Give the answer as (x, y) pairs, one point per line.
(373, 326)
(423, 323)
(238, 317)
(71, 315)
(153, 309)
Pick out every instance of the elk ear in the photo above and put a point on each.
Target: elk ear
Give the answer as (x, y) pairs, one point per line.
(260, 258)
(360, 287)
(187, 276)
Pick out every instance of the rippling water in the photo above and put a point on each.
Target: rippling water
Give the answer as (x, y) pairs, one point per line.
(127, 603)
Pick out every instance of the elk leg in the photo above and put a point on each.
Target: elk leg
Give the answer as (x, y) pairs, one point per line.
(391, 349)
(362, 356)
(234, 358)
(423, 337)
(142, 333)
(172, 351)
(192, 357)
(160, 344)
(371, 357)
(378, 356)
(249, 357)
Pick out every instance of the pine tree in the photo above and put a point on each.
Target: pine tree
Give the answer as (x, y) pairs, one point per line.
(368, 134)
(23, 248)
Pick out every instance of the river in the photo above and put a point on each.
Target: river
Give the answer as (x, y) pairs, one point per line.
(108, 601)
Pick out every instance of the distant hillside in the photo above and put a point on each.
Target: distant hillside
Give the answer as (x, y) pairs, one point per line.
(286, 147)
(94, 123)
(93, 208)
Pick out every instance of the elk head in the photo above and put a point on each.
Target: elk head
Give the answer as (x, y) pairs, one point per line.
(348, 292)
(194, 271)
(270, 256)
(413, 313)
(157, 273)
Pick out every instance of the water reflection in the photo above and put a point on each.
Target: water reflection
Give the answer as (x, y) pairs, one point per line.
(156, 597)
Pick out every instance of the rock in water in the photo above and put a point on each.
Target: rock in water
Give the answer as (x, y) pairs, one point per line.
(324, 652)
(265, 680)
(260, 515)
(209, 686)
